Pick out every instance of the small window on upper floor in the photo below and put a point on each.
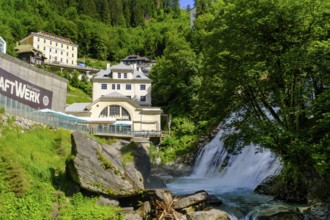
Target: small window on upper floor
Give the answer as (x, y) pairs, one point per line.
(142, 87)
(125, 75)
(119, 75)
(118, 86)
(104, 86)
(113, 86)
(128, 87)
(38, 39)
(143, 98)
(50, 42)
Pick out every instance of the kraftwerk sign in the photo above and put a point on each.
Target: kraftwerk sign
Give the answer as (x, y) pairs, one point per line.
(24, 92)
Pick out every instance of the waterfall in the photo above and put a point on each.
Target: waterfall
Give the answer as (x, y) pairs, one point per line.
(217, 171)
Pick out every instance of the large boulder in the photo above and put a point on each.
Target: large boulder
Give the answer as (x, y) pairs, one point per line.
(198, 198)
(212, 214)
(117, 170)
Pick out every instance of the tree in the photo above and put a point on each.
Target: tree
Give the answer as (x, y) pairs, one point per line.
(262, 71)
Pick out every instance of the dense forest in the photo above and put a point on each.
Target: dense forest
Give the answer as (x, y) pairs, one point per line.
(103, 29)
(262, 69)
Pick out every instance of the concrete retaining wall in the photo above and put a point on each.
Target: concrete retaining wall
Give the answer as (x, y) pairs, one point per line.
(39, 77)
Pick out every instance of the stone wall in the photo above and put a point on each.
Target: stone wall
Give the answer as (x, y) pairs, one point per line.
(38, 77)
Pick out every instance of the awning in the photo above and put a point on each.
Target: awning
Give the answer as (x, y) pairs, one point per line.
(123, 123)
(62, 115)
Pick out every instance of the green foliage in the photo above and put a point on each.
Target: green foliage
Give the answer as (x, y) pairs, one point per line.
(32, 173)
(85, 208)
(76, 95)
(104, 161)
(103, 29)
(128, 153)
(265, 67)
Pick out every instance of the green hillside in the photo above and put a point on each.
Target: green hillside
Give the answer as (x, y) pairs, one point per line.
(103, 29)
(33, 182)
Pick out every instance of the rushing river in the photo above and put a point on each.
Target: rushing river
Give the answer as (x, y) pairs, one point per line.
(232, 178)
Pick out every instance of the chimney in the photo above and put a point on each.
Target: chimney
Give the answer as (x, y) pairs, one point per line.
(108, 66)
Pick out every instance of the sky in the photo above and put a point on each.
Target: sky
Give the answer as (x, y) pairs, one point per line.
(184, 3)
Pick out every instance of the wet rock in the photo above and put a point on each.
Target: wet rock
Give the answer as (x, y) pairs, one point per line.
(106, 201)
(319, 211)
(103, 168)
(192, 200)
(279, 213)
(267, 187)
(213, 200)
(212, 214)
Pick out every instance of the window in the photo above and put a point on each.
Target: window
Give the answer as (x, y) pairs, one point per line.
(44, 40)
(72, 48)
(114, 110)
(50, 56)
(50, 49)
(125, 75)
(113, 86)
(142, 87)
(104, 86)
(55, 51)
(119, 75)
(50, 42)
(62, 45)
(67, 61)
(72, 62)
(143, 98)
(72, 55)
(67, 47)
(130, 97)
(38, 39)
(128, 87)
(44, 48)
(38, 46)
(61, 52)
(61, 59)
(55, 58)
(56, 43)
(67, 53)
(118, 86)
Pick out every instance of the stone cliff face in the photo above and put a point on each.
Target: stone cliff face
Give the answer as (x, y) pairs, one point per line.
(107, 169)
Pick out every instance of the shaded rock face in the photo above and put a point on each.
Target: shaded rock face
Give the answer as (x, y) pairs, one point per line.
(279, 213)
(101, 168)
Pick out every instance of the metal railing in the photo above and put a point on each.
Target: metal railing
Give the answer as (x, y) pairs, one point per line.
(18, 109)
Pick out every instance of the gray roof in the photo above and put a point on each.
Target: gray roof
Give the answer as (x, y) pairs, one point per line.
(122, 66)
(77, 107)
(114, 95)
(106, 74)
(139, 75)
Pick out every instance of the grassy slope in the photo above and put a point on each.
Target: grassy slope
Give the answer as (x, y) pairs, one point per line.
(33, 179)
(76, 95)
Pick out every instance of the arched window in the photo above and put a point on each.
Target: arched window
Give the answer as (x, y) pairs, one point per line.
(115, 111)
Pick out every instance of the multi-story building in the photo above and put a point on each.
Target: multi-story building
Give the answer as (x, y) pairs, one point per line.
(121, 101)
(3, 45)
(125, 80)
(56, 49)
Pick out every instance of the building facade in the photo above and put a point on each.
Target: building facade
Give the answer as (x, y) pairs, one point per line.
(3, 45)
(29, 54)
(125, 80)
(121, 102)
(57, 49)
